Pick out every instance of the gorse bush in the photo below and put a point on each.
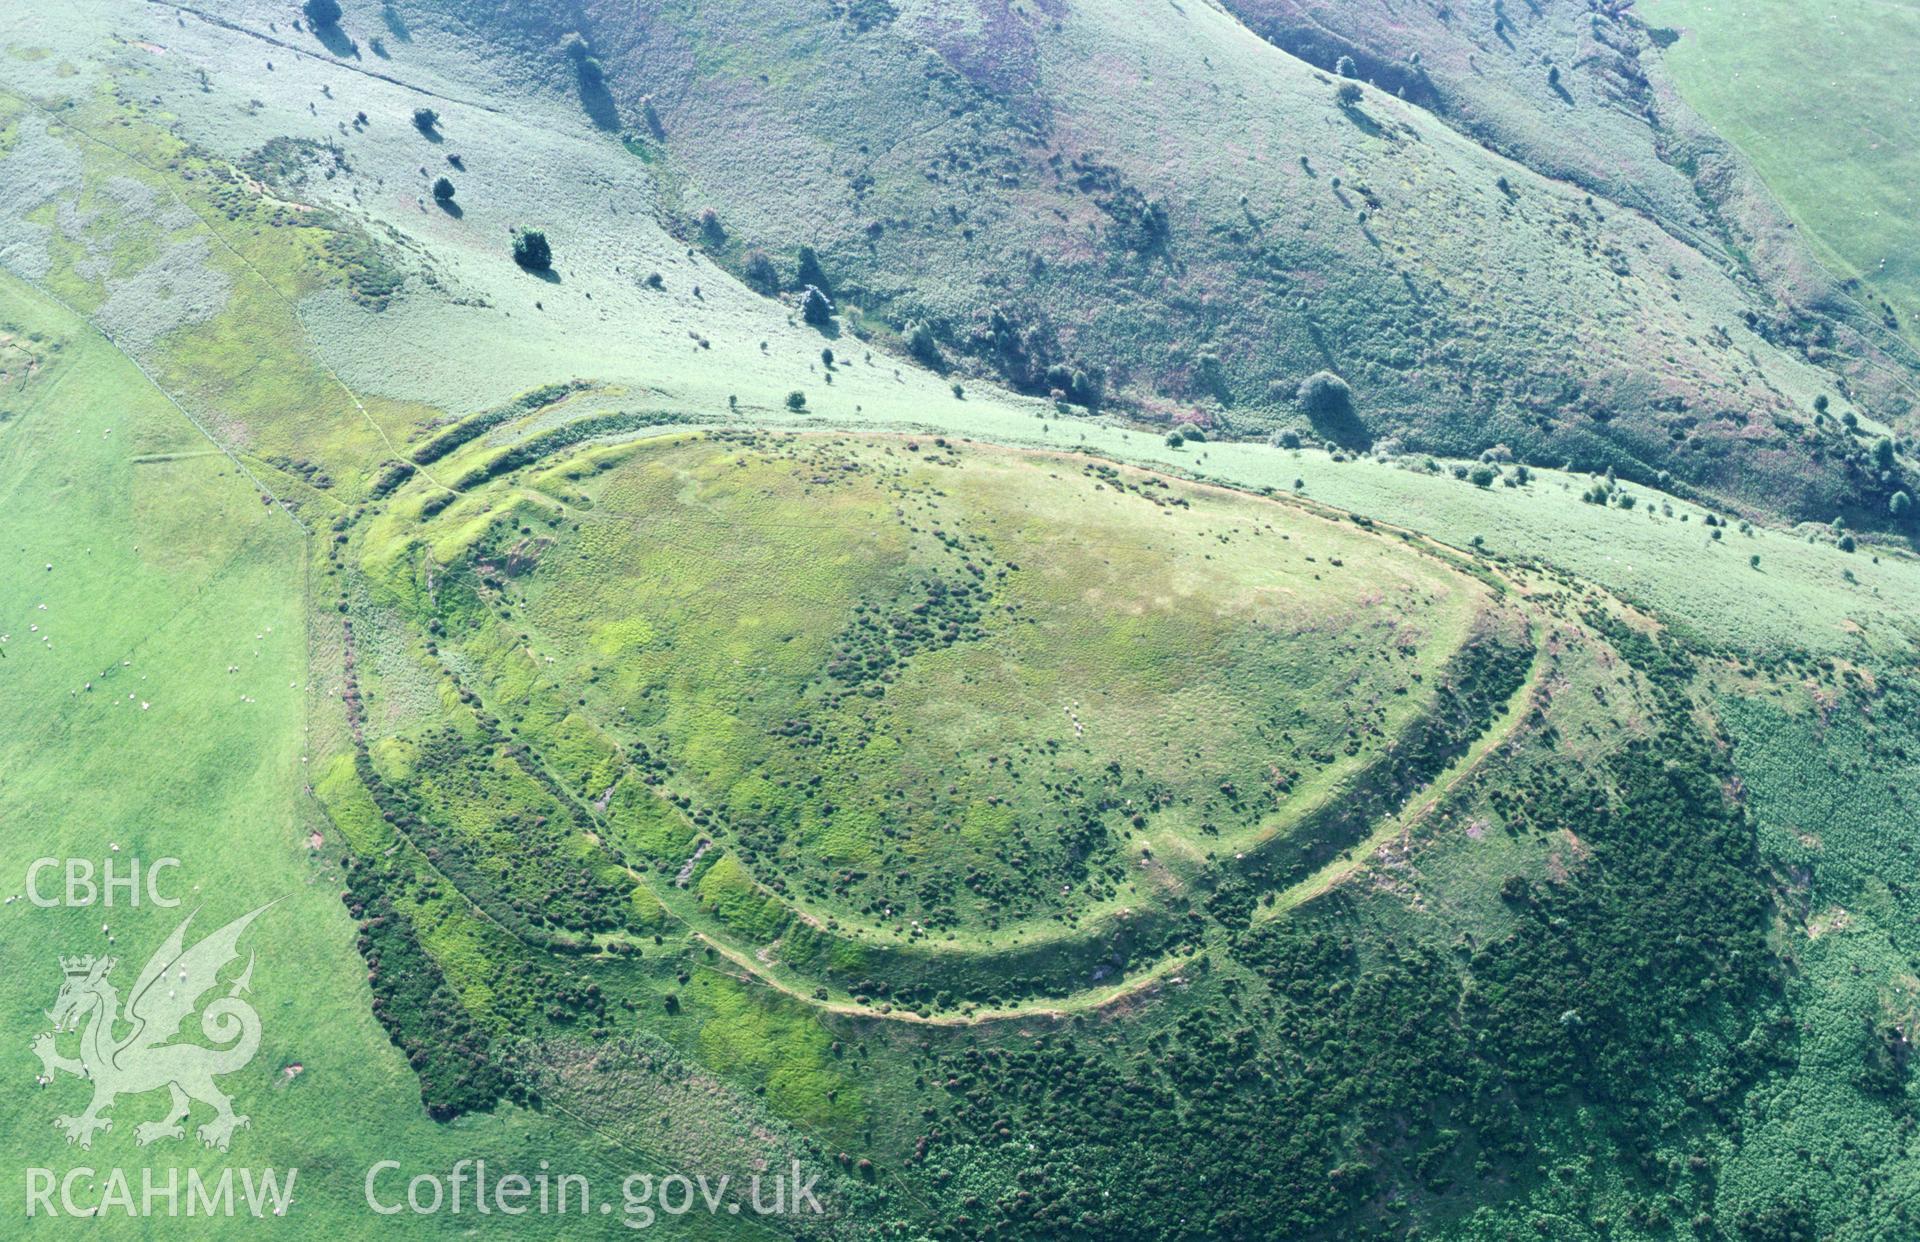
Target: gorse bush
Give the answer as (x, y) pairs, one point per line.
(1080, 385)
(815, 307)
(758, 272)
(924, 349)
(531, 251)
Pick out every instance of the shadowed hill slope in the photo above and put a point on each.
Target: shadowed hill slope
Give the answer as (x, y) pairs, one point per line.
(1581, 92)
(1158, 193)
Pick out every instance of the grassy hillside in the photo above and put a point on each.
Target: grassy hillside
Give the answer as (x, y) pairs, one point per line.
(1816, 99)
(1582, 92)
(1036, 198)
(1558, 86)
(156, 675)
(871, 694)
(683, 737)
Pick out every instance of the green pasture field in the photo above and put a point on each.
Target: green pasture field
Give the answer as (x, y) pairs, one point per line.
(124, 736)
(1822, 100)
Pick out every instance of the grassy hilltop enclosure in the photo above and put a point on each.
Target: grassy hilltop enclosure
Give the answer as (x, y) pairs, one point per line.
(1096, 619)
(896, 691)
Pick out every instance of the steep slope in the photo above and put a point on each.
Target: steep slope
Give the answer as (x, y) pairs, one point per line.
(1157, 192)
(1815, 97)
(1559, 86)
(1581, 92)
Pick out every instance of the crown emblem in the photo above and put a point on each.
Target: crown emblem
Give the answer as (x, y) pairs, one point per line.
(78, 967)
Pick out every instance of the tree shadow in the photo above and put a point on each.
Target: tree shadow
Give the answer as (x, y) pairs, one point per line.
(1560, 90)
(336, 41)
(395, 23)
(598, 102)
(544, 273)
(450, 207)
(1338, 422)
(1366, 124)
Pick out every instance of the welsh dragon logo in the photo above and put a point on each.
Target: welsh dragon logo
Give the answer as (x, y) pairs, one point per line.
(166, 993)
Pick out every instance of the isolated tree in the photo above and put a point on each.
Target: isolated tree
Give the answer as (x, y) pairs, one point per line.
(424, 119)
(576, 49)
(815, 307)
(1349, 94)
(1883, 453)
(530, 250)
(796, 400)
(1346, 68)
(322, 13)
(923, 347)
(1900, 505)
(443, 190)
(759, 272)
(1329, 406)
(1324, 393)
